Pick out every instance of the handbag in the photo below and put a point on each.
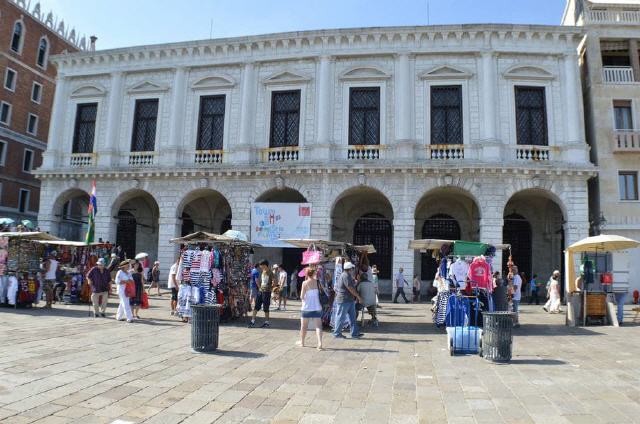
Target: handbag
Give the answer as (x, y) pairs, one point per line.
(145, 301)
(130, 289)
(311, 256)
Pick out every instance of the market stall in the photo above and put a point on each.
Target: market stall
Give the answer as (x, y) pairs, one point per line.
(329, 257)
(461, 262)
(588, 293)
(214, 269)
(21, 255)
(75, 259)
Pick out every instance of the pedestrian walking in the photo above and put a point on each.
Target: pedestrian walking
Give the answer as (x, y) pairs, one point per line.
(283, 283)
(516, 296)
(553, 293)
(123, 277)
(311, 309)
(99, 278)
(534, 290)
(345, 299)
(50, 269)
(375, 280)
(416, 289)
(138, 279)
(254, 283)
(155, 278)
(172, 284)
(620, 294)
(400, 282)
(263, 299)
(293, 285)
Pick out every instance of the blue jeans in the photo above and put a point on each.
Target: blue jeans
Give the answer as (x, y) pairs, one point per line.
(620, 297)
(344, 310)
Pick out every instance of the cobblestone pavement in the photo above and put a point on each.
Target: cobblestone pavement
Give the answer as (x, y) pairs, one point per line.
(60, 366)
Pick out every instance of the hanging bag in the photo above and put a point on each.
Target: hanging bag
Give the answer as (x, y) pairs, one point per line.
(130, 289)
(145, 301)
(311, 256)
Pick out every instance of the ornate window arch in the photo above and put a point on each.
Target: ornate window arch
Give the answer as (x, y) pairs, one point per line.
(43, 53)
(17, 37)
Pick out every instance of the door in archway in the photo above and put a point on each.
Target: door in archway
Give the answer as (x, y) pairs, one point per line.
(126, 233)
(375, 229)
(440, 226)
(517, 233)
(188, 226)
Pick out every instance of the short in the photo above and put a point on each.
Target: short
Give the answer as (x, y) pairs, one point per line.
(49, 285)
(284, 291)
(311, 314)
(263, 299)
(253, 293)
(174, 294)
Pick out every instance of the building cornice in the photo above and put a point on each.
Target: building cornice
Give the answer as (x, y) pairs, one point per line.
(21, 138)
(440, 169)
(412, 40)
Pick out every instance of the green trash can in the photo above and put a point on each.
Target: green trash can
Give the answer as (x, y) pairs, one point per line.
(497, 338)
(205, 322)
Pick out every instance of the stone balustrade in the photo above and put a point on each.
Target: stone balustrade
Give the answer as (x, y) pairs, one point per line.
(626, 141)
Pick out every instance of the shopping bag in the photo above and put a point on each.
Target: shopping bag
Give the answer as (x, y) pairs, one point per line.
(145, 301)
(130, 289)
(311, 256)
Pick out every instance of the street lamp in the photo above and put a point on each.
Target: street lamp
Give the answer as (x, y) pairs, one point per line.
(598, 224)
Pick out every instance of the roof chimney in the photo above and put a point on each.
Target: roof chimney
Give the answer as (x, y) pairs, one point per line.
(92, 46)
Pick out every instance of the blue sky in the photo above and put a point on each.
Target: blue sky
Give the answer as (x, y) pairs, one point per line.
(121, 23)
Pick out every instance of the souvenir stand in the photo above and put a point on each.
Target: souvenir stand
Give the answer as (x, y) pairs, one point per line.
(588, 304)
(75, 259)
(329, 266)
(20, 259)
(458, 261)
(214, 269)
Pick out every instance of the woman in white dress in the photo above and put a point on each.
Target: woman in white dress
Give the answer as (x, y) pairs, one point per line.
(122, 278)
(311, 308)
(553, 292)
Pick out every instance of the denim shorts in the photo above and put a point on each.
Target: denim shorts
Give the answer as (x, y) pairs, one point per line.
(311, 314)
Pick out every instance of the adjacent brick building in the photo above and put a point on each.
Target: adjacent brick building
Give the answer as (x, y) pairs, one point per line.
(27, 85)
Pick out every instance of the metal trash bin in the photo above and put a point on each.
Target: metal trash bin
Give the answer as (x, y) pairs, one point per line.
(497, 337)
(205, 322)
(500, 300)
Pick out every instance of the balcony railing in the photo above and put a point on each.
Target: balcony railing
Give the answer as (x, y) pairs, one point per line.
(80, 160)
(207, 157)
(141, 158)
(626, 141)
(281, 154)
(533, 153)
(445, 151)
(617, 75)
(613, 16)
(364, 152)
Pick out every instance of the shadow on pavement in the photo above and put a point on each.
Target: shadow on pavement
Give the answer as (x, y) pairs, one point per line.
(362, 350)
(537, 362)
(552, 330)
(236, 354)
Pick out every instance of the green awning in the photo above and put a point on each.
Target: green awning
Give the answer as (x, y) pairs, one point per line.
(469, 248)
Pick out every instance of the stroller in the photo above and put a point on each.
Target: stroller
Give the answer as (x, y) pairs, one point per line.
(462, 321)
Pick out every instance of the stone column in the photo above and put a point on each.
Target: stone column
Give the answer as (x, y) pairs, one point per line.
(51, 156)
(176, 125)
(241, 152)
(404, 107)
(109, 152)
(324, 86)
(571, 95)
(635, 60)
(168, 228)
(594, 58)
(403, 232)
(491, 233)
(491, 149)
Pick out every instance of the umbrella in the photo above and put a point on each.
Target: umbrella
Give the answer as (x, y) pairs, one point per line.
(6, 221)
(237, 235)
(603, 243)
(141, 255)
(27, 223)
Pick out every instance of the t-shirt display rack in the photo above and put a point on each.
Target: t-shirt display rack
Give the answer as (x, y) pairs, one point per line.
(214, 270)
(75, 260)
(20, 259)
(460, 261)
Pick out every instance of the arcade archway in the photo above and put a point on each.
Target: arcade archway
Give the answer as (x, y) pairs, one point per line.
(136, 213)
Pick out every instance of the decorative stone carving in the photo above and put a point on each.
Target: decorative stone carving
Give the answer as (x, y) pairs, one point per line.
(135, 183)
(204, 182)
(279, 183)
(362, 179)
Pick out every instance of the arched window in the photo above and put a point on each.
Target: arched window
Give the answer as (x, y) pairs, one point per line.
(375, 229)
(16, 38)
(517, 233)
(440, 226)
(126, 233)
(42, 52)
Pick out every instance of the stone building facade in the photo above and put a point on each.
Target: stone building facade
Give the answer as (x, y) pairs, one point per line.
(27, 39)
(466, 131)
(610, 65)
